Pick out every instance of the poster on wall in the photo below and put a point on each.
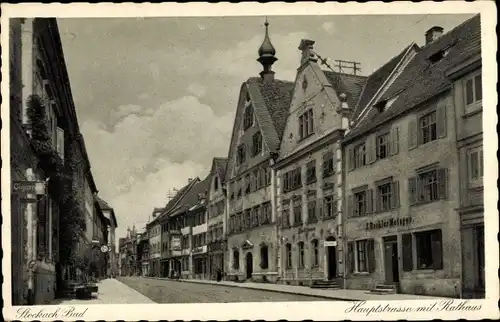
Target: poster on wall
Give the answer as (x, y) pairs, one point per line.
(176, 243)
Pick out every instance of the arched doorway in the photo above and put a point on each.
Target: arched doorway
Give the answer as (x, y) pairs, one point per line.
(331, 257)
(249, 264)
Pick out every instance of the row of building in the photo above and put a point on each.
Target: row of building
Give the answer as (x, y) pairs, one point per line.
(362, 181)
(59, 225)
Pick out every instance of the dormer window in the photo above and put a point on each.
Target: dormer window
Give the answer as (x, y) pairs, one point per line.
(248, 117)
(381, 106)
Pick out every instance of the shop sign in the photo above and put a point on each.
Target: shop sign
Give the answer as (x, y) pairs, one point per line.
(176, 243)
(35, 187)
(389, 223)
(197, 250)
(328, 243)
(306, 229)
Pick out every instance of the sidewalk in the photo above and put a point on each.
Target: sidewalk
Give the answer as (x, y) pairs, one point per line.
(340, 294)
(111, 291)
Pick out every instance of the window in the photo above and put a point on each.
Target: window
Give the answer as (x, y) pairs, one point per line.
(241, 154)
(266, 213)
(475, 166)
(288, 248)
(473, 90)
(264, 257)
(247, 183)
(301, 254)
(306, 124)
(248, 118)
(428, 186)
(365, 256)
(429, 249)
(328, 164)
(256, 144)
(297, 213)
(236, 259)
(216, 183)
(268, 176)
(315, 252)
(311, 172)
(428, 128)
(330, 207)
(239, 188)
(254, 177)
(360, 200)
(292, 180)
(359, 155)
(311, 211)
(383, 146)
(385, 197)
(286, 217)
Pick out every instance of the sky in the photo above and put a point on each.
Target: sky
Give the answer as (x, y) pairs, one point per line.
(156, 97)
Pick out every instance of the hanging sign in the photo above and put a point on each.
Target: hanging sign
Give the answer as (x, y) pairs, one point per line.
(328, 243)
(104, 248)
(35, 187)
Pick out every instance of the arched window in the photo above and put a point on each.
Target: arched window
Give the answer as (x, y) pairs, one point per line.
(315, 252)
(301, 253)
(236, 259)
(288, 248)
(264, 257)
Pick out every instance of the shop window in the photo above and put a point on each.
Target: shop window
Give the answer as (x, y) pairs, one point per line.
(429, 249)
(475, 166)
(407, 252)
(264, 259)
(288, 248)
(300, 246)
(236, 259)
(365, 256)
(315, 253)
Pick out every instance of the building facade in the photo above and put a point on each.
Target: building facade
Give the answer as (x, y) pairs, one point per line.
(154, 232)
(309, 172)
(257, 131)
(402, 175)
(216, 218)
(109, 213)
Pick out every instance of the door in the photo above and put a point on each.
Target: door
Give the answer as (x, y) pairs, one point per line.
(332, 262)
(249, 262)
(480, 256)
(391, 260)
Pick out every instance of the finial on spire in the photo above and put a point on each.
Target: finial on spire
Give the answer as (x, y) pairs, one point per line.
(267, 54)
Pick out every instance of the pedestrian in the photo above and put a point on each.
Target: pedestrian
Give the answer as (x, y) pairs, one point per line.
(219, 275)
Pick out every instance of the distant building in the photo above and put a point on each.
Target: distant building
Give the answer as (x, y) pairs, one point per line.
(109, 213)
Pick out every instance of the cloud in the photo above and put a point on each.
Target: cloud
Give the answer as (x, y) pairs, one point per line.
(329, 27)
(197, 89)
(152, 150)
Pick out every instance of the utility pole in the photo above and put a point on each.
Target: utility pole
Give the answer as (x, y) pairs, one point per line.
(345, 64)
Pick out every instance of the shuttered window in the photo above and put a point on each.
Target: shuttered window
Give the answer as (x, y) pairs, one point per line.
(407, 252)
(428, 127)
(475, 166)
(428, 186)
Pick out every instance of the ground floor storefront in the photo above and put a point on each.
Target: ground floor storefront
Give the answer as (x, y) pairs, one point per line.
(155, 267)
(414, 254)
(473, 260)
(145, 268)
(215, 259)
(200, 266)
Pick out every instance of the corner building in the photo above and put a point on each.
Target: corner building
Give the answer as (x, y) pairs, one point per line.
(257, 132)
(402, 181)
(309, 172)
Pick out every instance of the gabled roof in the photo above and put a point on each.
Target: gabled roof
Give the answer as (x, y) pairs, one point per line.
(271, 101)
(192, 197)
(422, 78)
(375, 81)
(106, 207)
(351, 85)
(219, 167)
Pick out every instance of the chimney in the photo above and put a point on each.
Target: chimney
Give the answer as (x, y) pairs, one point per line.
(190, 179)
(306, 46)
(433, 34)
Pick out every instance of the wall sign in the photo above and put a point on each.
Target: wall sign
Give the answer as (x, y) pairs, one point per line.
(391, 222)
(306, 229)
(35, 187)
(197, 250)
(328, 243)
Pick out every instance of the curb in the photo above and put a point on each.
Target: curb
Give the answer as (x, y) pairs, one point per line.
(332, 298)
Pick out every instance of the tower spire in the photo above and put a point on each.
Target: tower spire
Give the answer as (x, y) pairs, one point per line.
(267, 55)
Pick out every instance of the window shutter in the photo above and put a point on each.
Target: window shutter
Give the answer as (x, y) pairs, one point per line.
(394, 143)
(319, 206)
(350, 206)
(395, 195)
(350, 158)
(441, 121)
(350, 256)
(412, 190)
(371, 149)
(437, 249)
(371, 255)
(369, 201)
(407, 252)
(443, 183)
(412, 134)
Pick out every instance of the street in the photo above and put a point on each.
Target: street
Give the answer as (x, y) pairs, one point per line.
(165, 291)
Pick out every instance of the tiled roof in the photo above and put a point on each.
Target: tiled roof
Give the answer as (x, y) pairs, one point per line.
(375, 80)
(351, 85)
(271, 102)
(191, 198)
(103, 204)
(220, 165)
(423, 79)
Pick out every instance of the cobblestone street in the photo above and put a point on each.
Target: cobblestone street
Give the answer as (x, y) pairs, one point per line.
(164, 291)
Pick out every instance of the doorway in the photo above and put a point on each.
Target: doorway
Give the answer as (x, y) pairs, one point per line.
(391, 260)
(331, 257)
(480, 257)
(249, 262)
